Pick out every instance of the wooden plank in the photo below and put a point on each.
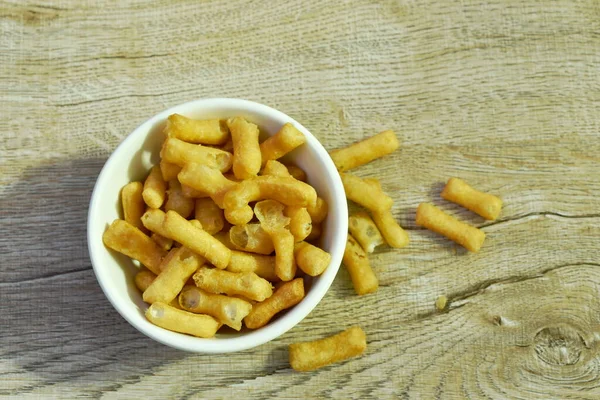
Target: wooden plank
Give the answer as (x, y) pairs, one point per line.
(502, 94)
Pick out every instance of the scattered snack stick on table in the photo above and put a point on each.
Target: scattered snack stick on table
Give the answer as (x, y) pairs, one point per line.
(308, 356)
(434, 219)
(357, 263)
(364, 230)
(484, 204)
(365, 151)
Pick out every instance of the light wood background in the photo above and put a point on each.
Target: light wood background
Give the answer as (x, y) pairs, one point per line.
(505, 94)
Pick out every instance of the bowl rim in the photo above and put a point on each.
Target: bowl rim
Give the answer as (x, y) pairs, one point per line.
(272, 330)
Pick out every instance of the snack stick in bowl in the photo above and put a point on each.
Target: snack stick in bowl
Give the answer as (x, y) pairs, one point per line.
(155, 188)
(177, 201)
(261, 265)
(153, 220)
(275, 168)
(143, 279)
(297, 172)
(309, 356)
(300, 222)
(364, 230)
(365, 151)
(251, 238)
(357, 263)
(285, 263)
(287, 295)
(206, 180)
(246, 284)
(171, 280)
(181, 230)
(168, 170)
(210, 215)
(286, 190)
(125, 238)
(484, 204)
(434, 219)
(163, 242)
(311, 259)
(393, 233)
(133, 204)
(318, 211)
(315, 232)
(270, 213)
(209, 131)
(365, 193)
(175, 320)
(181, 153)
(239, 216)
(246, 150)
(284, 141)
(189, 191)
(227, 310)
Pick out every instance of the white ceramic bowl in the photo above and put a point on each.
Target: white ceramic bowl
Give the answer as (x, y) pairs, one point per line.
(132, 160)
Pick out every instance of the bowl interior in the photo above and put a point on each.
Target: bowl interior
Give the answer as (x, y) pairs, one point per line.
(132, 160)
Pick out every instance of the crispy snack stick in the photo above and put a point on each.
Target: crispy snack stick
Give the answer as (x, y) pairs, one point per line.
(308, 356)
(484, 204)
(365, 151)
(432, 218)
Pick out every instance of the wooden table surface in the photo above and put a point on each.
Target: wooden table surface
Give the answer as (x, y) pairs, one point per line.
(505, 94)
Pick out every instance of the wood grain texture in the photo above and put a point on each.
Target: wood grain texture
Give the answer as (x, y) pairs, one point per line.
(503, 94)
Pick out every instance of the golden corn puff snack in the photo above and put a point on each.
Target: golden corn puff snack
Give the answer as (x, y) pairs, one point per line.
(318, 211)
(229, 311)
(285, 263)
(209, 131)
(162, 242)
(284, 141)
(171, 280)
(286, 190)
(181, 230)
(393, 233)
(181, 153)
(296, 172)
(275, 168)
(155, 189)
(270, 213)
(153, 220)
(261, 265)
(251, 238)
(143, 279)
(246, 284)
(357, 263)
(177, 201)
(287, 295)
(484, 204)
(365, 151)
(169, 171)
(209, 215)
(125, 238)
(365, 193)
(239, 216)
(364, 230)
(309, 356)
(300, 222)
(434, 219)
(246, 150)
(315, 233)
(133, 204)
(312, 260)
(175, 320)
(206, 180)
(189, 191)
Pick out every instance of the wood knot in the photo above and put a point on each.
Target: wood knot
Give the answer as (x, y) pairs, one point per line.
(559, 345)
